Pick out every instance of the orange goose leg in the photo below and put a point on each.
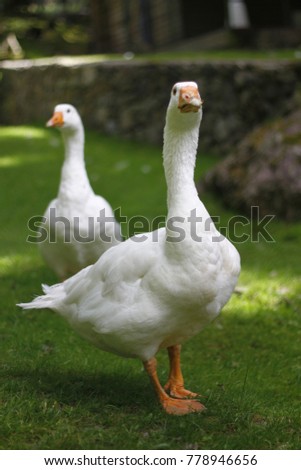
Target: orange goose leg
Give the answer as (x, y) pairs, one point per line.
(171, 405)
(175, 384)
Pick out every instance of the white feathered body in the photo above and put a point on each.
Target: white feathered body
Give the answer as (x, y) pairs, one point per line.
(134, 305)
(77, 234)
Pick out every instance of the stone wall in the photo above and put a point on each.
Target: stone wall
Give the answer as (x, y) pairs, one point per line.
(129, 98)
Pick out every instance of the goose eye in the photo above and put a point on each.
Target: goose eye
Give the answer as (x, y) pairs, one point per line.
(174, 90)
(68, 110)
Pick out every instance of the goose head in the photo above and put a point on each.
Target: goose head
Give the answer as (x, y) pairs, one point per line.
(186, 96)
(185, 105)
(66, 118)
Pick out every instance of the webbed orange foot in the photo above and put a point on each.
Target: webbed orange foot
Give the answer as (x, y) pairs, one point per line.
(179, 407)
(171, 405)
(177, 390)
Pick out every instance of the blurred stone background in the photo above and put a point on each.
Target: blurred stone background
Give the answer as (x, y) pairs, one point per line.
(129, 99)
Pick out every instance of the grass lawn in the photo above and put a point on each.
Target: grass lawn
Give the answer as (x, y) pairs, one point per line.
(59, 392)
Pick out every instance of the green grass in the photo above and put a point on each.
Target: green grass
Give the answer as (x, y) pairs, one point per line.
(59, 392)
(36, 50)
(226, 54)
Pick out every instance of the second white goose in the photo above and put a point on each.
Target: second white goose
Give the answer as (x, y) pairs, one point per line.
(77, 231)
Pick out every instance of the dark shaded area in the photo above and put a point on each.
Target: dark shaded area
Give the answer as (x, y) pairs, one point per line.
(270, 13)
(100, 29)
(264, 171)
(202, 17)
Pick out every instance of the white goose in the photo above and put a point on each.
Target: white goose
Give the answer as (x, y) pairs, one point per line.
(77, 234)
(143, 296)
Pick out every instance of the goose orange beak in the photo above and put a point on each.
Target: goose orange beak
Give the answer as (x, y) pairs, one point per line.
(189, 100)
(57, 120)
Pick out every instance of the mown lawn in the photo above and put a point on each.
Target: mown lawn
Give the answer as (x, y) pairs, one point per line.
(58, 392)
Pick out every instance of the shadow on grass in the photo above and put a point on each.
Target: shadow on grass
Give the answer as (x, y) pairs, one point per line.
(90, 391)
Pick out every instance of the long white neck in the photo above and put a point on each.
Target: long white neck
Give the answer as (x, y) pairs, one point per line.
(74, 179)
(179, 155)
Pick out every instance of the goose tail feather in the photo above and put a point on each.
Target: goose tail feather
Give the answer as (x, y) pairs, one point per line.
(51, 298)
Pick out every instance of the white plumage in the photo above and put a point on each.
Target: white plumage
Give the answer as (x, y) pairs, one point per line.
(77, 234)
(143, 296)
